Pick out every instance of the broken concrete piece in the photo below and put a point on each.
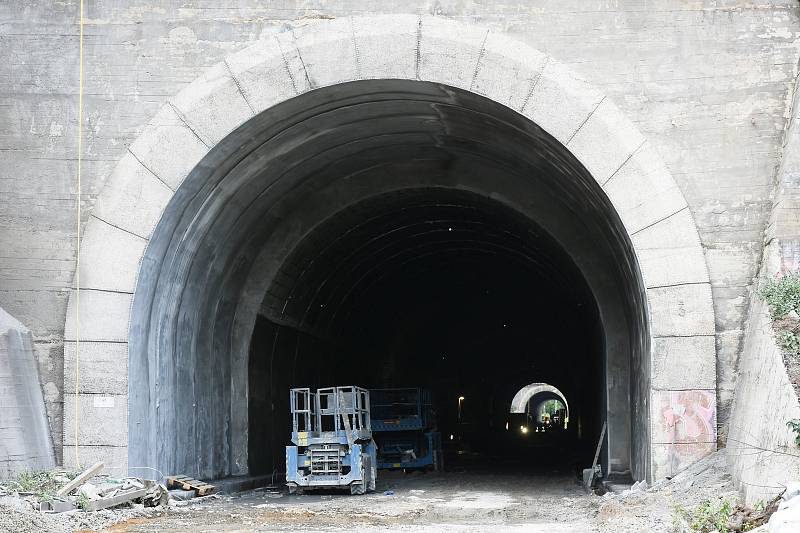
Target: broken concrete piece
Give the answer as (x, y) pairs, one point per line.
(57, 506)
(113, 501)
(181, 495)
(787, 518)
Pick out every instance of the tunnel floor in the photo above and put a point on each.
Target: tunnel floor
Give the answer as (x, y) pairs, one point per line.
(548, 501)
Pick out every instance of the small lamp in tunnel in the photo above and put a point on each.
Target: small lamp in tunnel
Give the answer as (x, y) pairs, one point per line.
(460, 399)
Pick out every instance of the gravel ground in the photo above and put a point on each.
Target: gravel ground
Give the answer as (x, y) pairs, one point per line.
(462, 502)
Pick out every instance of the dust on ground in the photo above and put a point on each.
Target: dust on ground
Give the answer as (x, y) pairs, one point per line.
(551, 502)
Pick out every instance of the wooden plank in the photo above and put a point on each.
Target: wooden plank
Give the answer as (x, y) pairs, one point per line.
(80, 480)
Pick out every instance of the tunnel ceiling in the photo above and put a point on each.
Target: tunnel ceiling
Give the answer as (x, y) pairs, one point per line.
(429, 236)
(319, 200)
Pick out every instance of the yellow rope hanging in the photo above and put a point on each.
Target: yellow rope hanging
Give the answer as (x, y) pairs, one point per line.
(78, 245)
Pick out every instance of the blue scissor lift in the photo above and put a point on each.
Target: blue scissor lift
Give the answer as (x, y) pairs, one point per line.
(333, 446)
(403, 425)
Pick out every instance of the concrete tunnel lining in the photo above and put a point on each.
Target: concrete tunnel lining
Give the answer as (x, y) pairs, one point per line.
(307, 160)
(171, 164)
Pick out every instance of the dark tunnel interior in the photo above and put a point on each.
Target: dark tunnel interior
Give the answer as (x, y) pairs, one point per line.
(444, 290)
(387, 233)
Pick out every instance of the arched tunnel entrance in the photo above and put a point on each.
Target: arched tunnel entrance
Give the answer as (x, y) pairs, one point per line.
(385, 233)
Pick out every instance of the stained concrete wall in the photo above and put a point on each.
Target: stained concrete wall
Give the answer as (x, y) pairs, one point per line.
(706, 81)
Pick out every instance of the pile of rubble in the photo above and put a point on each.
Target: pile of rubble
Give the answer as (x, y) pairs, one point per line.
(61, 501)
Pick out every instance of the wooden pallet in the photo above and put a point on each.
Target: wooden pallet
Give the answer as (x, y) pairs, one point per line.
(201, 488)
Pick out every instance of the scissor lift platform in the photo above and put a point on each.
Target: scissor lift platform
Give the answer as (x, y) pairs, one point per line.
(332, 440)
(403, 424)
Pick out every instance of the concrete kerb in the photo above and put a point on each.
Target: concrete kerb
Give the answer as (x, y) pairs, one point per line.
(428, 49)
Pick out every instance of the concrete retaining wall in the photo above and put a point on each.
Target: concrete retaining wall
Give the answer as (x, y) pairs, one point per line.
(761, 449)
(25, 442)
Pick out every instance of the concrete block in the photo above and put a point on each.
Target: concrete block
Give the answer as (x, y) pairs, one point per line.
(506, 73)
(681, 310)
(672, 266)
(104, 316)
(605, 141)
(110, 257)
(669, 459)
(133, 198)
(676, 231)
(684, 362)
(103, 367)
(643, 191)
(329, 56)
(114, 459)
(269, 72)
(449, 51)
(560, 102)
(102, 419)
(669, 252)
(212, 105)
(168, 147)
(386, 46)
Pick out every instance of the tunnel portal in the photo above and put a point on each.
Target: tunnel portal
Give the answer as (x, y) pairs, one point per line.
(385, 233)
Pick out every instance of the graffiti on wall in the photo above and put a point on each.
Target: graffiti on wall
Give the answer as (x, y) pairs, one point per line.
(686, 425)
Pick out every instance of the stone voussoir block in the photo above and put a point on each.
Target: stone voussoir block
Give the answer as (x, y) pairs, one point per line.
(687, 416)
(643, 190)
(168, 147)
(386, 46)
(560, 102)
(102, 419)
(681, 310)
(329, 56)
(103, 367)
(502, 76)
(449, 52)
(684, 362)
(213, 106)
(133, 199)
(109, 257)
(605, 141)
(670, 459)
(114, 459)
(104, 316)
(268, 72)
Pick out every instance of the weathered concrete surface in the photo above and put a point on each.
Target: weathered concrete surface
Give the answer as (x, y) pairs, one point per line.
(25, 442)
(761, 449)
(705, 81)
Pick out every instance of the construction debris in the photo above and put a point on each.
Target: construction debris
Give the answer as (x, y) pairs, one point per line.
(59, 500)
(80, 479)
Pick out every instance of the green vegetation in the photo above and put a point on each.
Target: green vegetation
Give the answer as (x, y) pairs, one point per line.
(794, 425)
(708, 517)
(43, 484)
(782, 296)
(83, 501)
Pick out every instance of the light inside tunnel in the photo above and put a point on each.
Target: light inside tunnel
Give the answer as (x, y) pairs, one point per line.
(385, 234)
